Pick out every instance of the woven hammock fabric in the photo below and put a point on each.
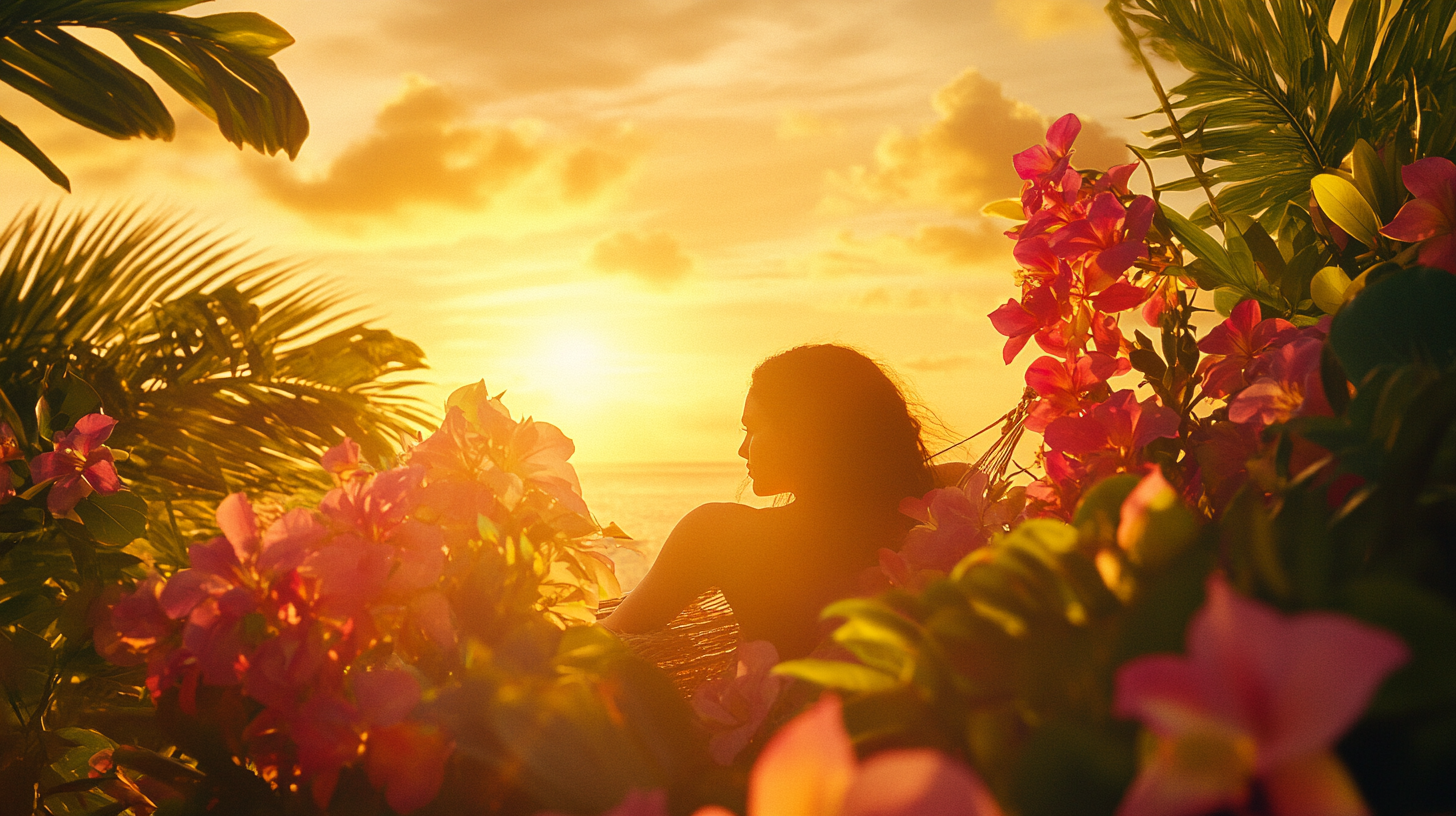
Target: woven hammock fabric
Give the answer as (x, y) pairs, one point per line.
(698, 645)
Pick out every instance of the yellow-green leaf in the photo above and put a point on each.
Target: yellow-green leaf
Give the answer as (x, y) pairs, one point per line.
(1328, 288)
(1342, 203)
(1009, 208)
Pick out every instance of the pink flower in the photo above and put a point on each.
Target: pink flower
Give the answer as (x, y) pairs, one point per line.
(1111, 237)
(809, 769)
(1110, 436)
(1291, 376)
(1037, 310)
(79, 464)
(1431, 216)
(342, 459)
(1260, 695)
(734, 706)
(1063, 386)
(1039, 162)
(954, 521)
(407, 761)
(1233, 344)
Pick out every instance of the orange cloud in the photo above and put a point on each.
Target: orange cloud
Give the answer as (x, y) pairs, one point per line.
(946, 362)
(1043, 19)
(423, 153)
(963, 159)
(525, 46)
(655, 257)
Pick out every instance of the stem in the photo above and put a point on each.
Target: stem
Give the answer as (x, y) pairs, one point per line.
(1114, 10)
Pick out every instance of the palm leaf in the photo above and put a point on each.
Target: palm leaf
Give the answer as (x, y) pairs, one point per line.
(225, 372)
(221, 64)
(1277, 94)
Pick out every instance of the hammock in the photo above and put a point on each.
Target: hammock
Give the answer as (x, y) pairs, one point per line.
(697, 645)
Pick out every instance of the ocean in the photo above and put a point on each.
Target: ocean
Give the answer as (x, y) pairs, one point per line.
(647, 499)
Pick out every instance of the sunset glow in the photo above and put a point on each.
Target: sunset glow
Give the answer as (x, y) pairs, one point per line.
(612, 210)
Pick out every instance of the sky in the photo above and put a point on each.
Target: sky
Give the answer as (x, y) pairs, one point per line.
(613, 209)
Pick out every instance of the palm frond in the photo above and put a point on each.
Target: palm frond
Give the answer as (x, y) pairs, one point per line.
(227, 372)
(221, 64)
(1278, 93)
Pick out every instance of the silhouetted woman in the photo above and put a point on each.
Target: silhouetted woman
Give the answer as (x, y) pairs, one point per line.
(827, 425)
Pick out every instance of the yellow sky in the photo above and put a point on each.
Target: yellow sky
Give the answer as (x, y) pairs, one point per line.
(612, 209)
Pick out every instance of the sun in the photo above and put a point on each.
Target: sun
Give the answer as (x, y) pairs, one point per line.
(571, 366)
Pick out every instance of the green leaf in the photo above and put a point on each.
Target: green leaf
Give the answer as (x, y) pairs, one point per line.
(13, 138)
(248, 32)
(1404, 317)
(1328, 288)
(1427, 624)
(1200, 243)
(839, 674)
(1008, 208)
(1342, 203)
(119, 518)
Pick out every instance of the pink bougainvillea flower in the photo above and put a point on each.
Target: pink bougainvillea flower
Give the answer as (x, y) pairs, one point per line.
(407, 761)
(1110, 436)
(734, 706)
(134, 624)
(1233, 344)
(79, 464)
(954, 521)
(1041, 161)
(809, 769)
(1431, 216)
(1291, 380)
(1259, 696)
(342, 459)
(1062, 386)
(1111, 237)
(1037, 310)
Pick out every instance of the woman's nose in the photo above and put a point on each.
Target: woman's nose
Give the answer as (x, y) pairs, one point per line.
(743, 449)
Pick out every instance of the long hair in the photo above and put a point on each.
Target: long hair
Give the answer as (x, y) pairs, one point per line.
(854, 429)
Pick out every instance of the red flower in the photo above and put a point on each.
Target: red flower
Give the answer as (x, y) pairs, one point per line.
(1063, 386)
(1039, 162)
(79, 464)
(1111, 435)
(734, 706)
(1431, 216)
(1259, 695)
(1292, 377)
(1037, 310)
(1233, 344)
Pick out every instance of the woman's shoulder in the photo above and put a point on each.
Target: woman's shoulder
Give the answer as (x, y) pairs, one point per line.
(717, 514)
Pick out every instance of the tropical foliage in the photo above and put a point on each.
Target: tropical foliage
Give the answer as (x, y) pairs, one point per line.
(221, 64)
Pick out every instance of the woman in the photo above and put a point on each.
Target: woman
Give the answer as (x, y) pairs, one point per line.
(827, 426)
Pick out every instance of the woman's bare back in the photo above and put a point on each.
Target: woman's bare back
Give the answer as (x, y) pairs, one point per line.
(777, 567)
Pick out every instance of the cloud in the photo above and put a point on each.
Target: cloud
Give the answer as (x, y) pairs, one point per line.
(929, 247)
(946, 362)
(655, 257)
(423, 153)
(805, 124)
(526, 46)
(1043, 19)
(963, 159)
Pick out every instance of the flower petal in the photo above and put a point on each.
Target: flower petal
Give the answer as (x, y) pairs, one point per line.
(1313, 785)
(806, 769)
(918, 782)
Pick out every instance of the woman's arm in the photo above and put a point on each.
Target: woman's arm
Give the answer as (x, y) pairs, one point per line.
(683, 570)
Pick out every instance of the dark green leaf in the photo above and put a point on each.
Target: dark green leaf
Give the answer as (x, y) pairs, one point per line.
(118, 519)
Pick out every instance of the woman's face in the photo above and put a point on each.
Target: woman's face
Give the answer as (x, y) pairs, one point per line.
(769, 449)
